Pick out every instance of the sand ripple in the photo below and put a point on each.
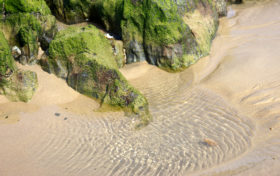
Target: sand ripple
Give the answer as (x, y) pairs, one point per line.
(106, 143)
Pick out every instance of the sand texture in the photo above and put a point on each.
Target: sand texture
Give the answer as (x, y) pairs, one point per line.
(219, 117)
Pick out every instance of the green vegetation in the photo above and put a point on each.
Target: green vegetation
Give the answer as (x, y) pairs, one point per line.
(26, 23)
(154, 30)
(16, 84)
(169, 34)
(20, 86)
(7, 64)
(84, 57)
(27, 6)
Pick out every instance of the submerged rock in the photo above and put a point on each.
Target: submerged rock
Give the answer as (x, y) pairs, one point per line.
(84, 57)
(26, 24)
(170, 34)
(17, 85)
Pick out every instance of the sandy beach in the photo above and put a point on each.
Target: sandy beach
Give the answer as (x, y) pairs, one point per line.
(219, 117)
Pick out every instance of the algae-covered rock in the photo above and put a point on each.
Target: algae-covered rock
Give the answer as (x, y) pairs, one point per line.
(17, 85)
(118, 52)
(106, 12)
(27, 6)
(174, 34)
(161, 32)
(84, 57)
(20, 86)
(7, 64)
(26, 24)
(29, 42)
(70, 11)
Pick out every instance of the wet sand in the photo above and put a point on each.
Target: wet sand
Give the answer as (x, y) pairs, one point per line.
(219, 117)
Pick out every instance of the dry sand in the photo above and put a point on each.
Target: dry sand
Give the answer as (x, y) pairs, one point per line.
(219, 117)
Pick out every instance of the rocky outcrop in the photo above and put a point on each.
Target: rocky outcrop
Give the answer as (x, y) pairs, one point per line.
(173, 35)
(85, 58)
(28, 24)
(170, 34)
(17, 85)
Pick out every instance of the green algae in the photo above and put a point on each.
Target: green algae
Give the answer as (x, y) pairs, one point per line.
(26, 23)
(7, 63)
(27, 6)
(16, 85)
(152, 30)
(84, 57)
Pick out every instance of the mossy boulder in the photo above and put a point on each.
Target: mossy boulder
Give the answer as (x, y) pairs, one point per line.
(84, 57)
(17, 85)
(20, 86)
(27, 6)
(26, 24)
(161, 32)
(173, 34)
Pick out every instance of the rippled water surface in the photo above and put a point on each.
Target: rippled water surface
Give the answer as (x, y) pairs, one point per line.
(173, 143)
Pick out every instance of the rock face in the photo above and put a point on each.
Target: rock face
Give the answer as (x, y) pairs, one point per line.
(105, 12)
(26, 23)
(17, 85)
(170, 34)
(84, 57)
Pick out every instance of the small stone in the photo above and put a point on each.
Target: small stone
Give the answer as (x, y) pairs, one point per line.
(209, 142)
(270, 129)
(57, 114)
(6, 117)
(65, 118)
